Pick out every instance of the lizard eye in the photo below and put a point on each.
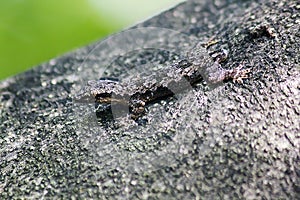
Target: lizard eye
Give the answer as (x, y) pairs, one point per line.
(103, 96)
(109, 79)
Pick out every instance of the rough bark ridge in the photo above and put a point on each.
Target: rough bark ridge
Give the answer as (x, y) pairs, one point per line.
(231, 142)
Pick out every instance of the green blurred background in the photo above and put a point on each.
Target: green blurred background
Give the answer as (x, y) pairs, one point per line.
(34, 31)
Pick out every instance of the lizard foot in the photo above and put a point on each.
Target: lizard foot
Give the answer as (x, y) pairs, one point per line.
(240, 74)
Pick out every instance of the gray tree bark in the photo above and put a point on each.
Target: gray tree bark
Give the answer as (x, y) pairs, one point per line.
(233, 141)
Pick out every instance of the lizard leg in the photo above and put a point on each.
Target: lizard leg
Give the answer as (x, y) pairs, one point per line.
(137, 108)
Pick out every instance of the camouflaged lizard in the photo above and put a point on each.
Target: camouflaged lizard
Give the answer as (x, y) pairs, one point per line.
(139, 90)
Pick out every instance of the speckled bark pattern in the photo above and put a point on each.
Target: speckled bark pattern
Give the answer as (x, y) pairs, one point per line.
(235, 141)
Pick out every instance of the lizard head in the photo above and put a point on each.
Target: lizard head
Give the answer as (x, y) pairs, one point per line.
(100, 91)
